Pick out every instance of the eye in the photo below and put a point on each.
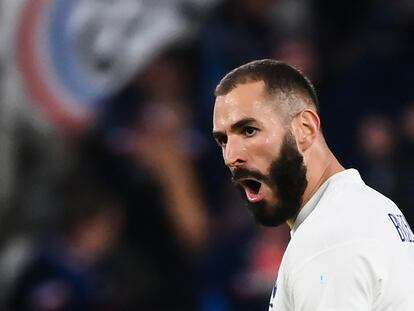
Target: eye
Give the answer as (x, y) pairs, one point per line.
(221, 141)
(249, 131)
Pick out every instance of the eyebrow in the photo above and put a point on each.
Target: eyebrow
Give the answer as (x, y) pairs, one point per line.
(234, 127)
(242, 123)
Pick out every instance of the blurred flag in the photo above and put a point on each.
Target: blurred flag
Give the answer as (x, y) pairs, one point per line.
(74, 54)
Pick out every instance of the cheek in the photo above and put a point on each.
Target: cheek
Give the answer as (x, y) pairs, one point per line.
(263, 153)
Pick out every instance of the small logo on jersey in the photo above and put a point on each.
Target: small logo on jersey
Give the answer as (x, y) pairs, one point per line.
(402, 227)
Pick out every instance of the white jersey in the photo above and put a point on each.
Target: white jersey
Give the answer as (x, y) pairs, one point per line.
(351, 250)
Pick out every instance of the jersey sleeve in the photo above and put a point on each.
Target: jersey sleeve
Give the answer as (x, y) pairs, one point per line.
(346, 277)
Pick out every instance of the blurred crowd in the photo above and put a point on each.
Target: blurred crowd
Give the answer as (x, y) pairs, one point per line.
(137, 212)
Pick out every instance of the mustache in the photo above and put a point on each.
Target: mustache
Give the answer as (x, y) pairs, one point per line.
(240, 173)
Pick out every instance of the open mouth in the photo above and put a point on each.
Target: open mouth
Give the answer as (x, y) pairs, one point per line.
(252, 189)
(252, 185)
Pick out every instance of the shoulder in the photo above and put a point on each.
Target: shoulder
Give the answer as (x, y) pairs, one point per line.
(353, 207)
(349, 212)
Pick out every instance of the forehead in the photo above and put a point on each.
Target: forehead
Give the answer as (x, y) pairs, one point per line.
(247, 100)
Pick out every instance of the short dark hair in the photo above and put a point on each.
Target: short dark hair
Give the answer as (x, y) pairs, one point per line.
(277, 76)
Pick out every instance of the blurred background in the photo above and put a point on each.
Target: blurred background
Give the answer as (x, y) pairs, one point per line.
(113, 195)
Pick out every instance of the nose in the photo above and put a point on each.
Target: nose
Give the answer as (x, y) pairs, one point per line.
(234, 153)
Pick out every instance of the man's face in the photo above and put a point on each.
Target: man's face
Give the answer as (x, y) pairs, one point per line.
(261, 153)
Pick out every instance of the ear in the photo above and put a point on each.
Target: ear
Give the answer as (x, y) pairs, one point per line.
(306, 127)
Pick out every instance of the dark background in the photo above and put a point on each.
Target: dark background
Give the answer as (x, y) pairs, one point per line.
(136, 212)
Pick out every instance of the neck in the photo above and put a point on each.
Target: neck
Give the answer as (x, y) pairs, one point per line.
(321, 165)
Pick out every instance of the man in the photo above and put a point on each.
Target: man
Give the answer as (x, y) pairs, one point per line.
(351, 247)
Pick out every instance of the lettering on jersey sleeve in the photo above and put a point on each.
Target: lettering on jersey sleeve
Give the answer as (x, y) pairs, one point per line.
(402, 227)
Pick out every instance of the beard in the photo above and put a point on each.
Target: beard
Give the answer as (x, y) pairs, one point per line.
(286, 179)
